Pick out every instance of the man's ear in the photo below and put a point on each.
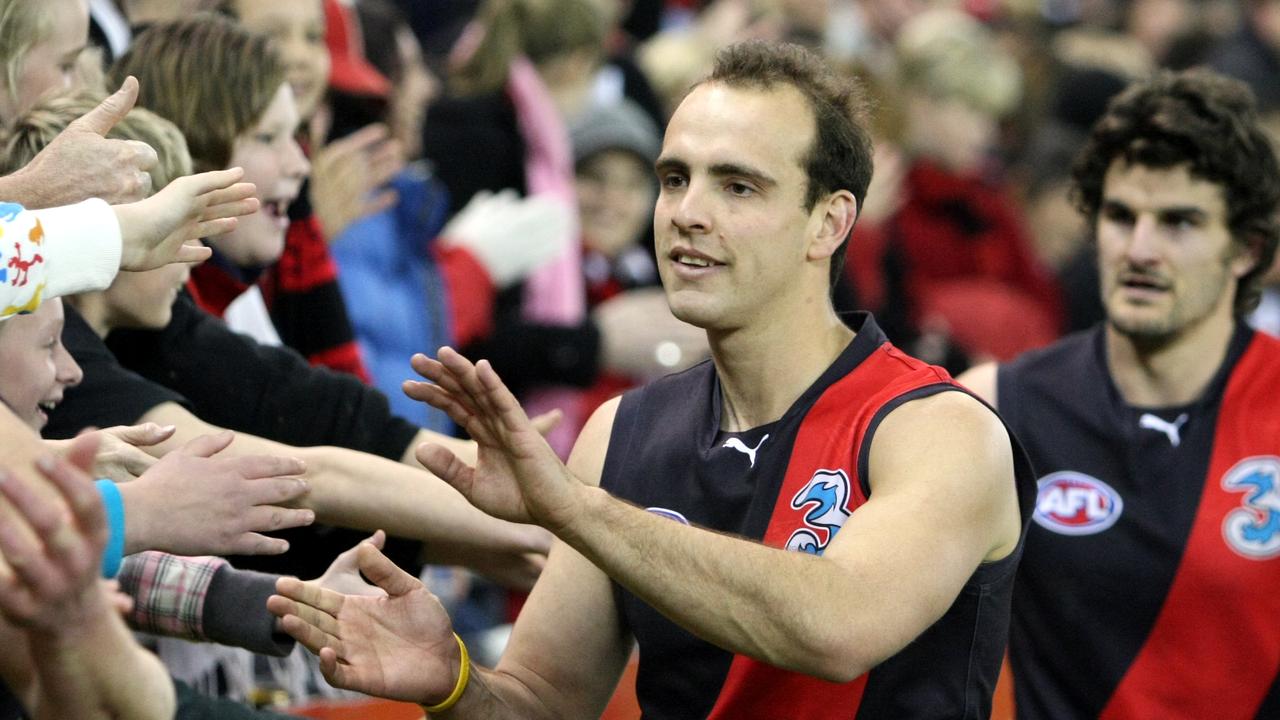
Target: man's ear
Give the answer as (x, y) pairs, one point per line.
(1246, 256)
(839, 210)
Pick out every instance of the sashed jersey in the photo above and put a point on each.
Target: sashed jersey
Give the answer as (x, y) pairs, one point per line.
(792, 484)
(1150, 584)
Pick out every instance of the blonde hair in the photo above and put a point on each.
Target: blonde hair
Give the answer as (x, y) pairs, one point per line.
(38, 127)
(948, 54)
(209, 76)
(23, 24)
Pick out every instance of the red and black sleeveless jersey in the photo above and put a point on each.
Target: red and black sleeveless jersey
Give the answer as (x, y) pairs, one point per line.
(1150, 583)
(792, 484)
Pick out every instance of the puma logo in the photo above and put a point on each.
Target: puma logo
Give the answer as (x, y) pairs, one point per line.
(1172, 430)
(741, 447)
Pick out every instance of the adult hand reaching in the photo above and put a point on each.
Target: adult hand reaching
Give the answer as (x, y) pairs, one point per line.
(82, 163)
(517, 476)
(193, 503)
(398, 646)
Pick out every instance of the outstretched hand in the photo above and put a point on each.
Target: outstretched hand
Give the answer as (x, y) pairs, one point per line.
(517, 476)
(398, 646)
(166, 227)
(51, 546)
(193, 503)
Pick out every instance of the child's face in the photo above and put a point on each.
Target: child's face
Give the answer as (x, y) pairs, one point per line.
(273, 161)
(35, 368)
(50, 64)
(297, 26)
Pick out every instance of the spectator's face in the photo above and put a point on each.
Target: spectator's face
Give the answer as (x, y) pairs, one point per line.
(144, 300)
(297, 26)
(732, 235)
(273, 161)
(34, 366)
(615, 199)
(1165, 254)
(50, 64)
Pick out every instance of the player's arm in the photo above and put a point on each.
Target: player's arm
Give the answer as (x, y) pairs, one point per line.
(367, 492)
(567, 649)
(562, 662)
(942, 502)
(981, 379)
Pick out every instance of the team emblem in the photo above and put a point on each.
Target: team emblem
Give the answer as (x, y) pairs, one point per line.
(1072, 503)
(826, 496)
(1253, 530)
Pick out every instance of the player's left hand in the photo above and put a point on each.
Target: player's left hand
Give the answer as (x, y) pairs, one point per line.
(517, 476)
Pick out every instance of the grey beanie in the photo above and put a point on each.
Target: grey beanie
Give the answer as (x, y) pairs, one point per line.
(619, 126)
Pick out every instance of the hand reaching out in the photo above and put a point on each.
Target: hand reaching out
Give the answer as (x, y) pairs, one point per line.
(343, 574)
(119, 457)
(166, 227)
(349, 176)
(517, 475)
(52, 545)
(398, 646)
(193, 503)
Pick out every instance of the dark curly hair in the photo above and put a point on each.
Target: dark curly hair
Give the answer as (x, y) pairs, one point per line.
(840, 158)
(1210, 123)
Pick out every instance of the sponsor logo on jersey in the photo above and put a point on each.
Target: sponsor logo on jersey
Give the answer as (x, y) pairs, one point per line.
(1072, 503)
(826, 497)
(1253, 530)
(669, 514)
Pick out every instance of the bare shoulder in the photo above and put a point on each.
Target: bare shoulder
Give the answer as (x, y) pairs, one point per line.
(587, 459)
(951, 427)
(981, 379)
(951, 452)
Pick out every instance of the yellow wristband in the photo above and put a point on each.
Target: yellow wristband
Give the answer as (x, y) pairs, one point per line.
(464, 676)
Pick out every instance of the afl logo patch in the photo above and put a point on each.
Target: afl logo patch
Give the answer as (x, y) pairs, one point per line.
(1072, 503)
(1253, 529)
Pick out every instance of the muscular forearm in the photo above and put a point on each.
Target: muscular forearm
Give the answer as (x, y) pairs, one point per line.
(786, 608)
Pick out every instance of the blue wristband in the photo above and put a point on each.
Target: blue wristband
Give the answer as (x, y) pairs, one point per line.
(113, 553)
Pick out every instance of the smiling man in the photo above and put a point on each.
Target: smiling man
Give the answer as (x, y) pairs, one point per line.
(1151, 581)
(811, 525)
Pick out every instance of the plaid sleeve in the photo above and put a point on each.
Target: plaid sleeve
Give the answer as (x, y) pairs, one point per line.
(169, 592)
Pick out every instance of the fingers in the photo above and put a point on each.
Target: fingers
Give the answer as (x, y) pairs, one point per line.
(547, 421)
(208, 445)
(381, 201)
(83, 451)
(211, 181)
(310, 636)
(112, 110)
(142, 435)
(78, 492)
(384, 573)
(250, 543)
(263, 518)
(359, 141)
(254, 467)
(49, 570)
(444, 464)
(378, 539)
(310, 594)
(206, 229)
(436, 397)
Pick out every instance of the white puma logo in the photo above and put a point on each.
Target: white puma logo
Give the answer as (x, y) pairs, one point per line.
(740, 446)
(1172, 430)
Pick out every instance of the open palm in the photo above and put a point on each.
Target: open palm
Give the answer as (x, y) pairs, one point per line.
(399, 646)
(517, 475)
